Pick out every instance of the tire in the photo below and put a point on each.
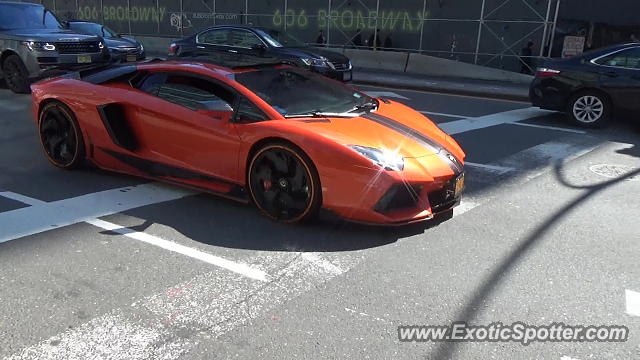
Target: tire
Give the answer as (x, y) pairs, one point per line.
(16, 75)
(283, 183)
(60, 136)
(591, 109)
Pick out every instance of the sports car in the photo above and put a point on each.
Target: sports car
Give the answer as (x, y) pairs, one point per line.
(289, 140)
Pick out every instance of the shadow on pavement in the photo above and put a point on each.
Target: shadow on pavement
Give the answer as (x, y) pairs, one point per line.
(501, 272)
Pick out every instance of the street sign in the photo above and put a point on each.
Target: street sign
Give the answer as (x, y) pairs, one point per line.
(573, 46)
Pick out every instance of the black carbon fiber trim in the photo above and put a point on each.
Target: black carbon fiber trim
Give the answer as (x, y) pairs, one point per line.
(425, 141)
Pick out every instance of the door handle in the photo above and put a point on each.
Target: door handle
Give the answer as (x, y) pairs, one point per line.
(233, 51)
(201, 47)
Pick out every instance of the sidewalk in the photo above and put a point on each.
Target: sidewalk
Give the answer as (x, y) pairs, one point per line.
(459, 86)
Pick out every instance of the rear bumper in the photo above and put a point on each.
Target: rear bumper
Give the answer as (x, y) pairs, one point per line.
(548, 94)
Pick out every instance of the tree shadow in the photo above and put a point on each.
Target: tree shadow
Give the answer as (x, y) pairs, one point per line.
(501, 272)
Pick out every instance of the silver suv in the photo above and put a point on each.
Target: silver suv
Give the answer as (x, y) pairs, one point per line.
(32, 41)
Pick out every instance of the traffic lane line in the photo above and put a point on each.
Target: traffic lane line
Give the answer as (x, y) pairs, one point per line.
(443, 114)
(48, 216)
(481, 122)
(204, 307)
(441, 94)
(556, 128)
(220, 262)
(632, 302)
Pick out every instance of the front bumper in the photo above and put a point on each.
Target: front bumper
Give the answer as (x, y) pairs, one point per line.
(37, 62)
(424, 189)
(344, 75)
(127, 56)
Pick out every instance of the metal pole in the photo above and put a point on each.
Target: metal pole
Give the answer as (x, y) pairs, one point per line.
(424, 10)
(546, 29)
(214, 12)
(76, 12)
(328, 24)
(102, 11)
(285, 15)
(375, 31)
(246, 12)
(158, 10)
(553, 32)
(129, 15)
(181, 18)
(480, 24)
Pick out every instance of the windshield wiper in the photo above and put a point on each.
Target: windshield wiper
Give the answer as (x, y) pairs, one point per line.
(323, 114)
(368, 106)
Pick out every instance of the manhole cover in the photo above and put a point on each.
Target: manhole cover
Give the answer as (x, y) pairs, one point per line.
(614, 171)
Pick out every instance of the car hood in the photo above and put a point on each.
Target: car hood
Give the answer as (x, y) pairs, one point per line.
(309, 52)
(120, 42)
(49, 35)
(392, 127)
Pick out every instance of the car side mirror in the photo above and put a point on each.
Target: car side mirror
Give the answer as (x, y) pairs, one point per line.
(65, 24)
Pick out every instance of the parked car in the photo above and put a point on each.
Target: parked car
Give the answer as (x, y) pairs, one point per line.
(288, 140)
(256, 41)
(122, 48)
(32, 40)
(590, 87)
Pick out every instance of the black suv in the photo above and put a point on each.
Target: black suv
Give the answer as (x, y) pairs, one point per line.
(237, 40)
(32, 40)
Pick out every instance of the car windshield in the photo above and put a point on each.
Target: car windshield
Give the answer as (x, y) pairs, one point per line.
(91, 29)
(299, 93)
(279, 39)
(22, 16)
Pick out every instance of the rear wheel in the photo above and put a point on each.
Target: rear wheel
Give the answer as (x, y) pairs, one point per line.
(283, 183)
(16, 75)
(589, 109)
(60, 136)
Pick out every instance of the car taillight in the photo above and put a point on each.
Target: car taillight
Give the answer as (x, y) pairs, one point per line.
(546, 72)
(172, 49)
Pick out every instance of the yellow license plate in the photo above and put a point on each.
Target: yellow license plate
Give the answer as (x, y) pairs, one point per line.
(131, 58)
(459, 185)
(84, 59)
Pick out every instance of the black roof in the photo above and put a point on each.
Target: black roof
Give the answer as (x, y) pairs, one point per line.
(20, 3)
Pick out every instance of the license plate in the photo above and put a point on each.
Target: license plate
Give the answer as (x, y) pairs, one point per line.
(459, 185)
(84, 59)
(131, 58)
(347, 76)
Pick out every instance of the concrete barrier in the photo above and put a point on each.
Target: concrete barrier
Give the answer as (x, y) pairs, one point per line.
(155, 46)
(434, 66)
(380, 60)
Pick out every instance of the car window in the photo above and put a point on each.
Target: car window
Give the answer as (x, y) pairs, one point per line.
(629, 58)
(19, 16)
(91, 28)
(248, 112)
(191, 92)
(215, 37)
(245, 39)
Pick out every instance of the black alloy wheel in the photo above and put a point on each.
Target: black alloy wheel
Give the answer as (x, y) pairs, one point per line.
(60, 136)
(284, 184)
(16, 75)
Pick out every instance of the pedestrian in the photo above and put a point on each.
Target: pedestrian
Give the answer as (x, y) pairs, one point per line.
(321, 39)
(374, 40)
(357, 39)
(388, 42)
(526, 58)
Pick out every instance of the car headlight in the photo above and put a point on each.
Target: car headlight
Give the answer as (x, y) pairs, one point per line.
(100, 45)
(386, 159)
(141, 47)
(37, 45)
(314, 62)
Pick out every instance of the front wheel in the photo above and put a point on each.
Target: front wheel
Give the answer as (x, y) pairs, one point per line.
(60, 136)
(16, 75)
(589, 109)
(284, 183)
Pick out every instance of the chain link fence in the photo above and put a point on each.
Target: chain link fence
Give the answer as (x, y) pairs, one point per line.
(485, 32)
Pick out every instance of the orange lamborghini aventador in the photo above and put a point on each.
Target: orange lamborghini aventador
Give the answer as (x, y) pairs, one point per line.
(286, 139)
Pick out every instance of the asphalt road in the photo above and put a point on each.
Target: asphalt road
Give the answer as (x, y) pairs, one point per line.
(101, 266)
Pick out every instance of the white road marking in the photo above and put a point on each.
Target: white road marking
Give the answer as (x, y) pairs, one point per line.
(633, 302)
(494, 168)
(386, 94)
(567, 358)
(365, 315)
(42, 217)
(321, 262)
(550, 127)
(238, 268)
(475, 123)
(465, 206)
(442, 114)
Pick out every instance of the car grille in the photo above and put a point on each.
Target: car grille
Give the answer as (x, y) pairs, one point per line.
(125, 50)
(443, 199)
(78, 47)
(341, 66)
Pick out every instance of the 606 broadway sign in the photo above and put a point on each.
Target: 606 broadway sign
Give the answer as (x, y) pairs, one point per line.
(516, 332)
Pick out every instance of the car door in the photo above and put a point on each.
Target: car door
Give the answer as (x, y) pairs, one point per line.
(187, 121)
(620, 77)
